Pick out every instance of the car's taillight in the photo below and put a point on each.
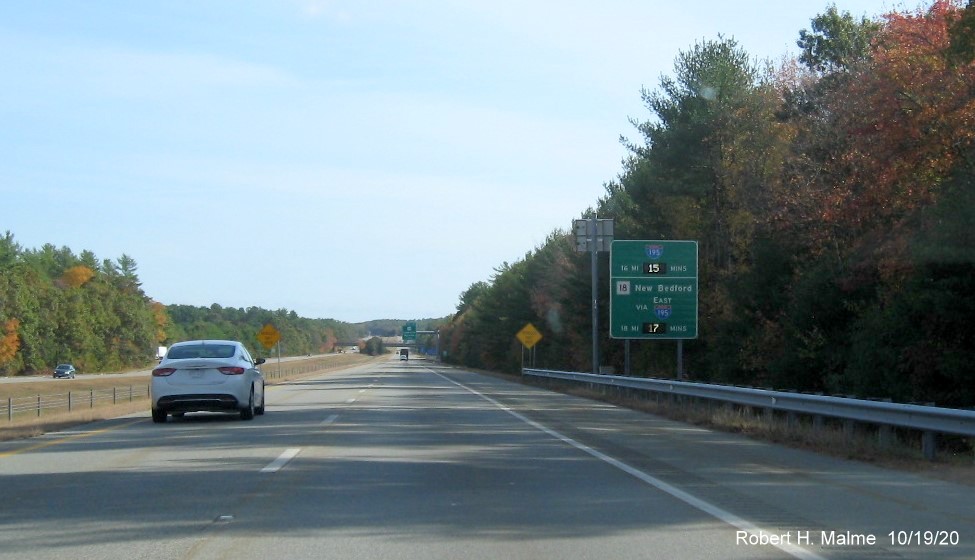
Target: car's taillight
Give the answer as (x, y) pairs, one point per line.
(163, 371)
(231, 370)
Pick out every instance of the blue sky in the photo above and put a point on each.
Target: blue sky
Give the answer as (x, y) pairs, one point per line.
(348, 160)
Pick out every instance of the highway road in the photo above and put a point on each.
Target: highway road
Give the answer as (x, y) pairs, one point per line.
(403, 460)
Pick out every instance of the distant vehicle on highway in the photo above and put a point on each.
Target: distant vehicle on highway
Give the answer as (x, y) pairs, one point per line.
(404, 354)
(64, 371)
(207, 376)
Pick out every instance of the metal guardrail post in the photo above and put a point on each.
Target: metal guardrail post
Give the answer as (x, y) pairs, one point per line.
(929, 443)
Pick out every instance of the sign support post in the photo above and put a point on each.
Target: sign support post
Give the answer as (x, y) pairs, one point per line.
(594, 235)
(529, 337)
(269, 337)
(595, 296)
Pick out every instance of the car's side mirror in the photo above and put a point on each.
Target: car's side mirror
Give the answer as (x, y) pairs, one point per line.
(259, 361)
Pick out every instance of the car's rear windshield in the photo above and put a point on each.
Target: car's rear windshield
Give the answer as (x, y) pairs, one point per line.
(201, 351)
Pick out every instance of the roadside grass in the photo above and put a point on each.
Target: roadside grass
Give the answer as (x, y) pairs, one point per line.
(58, 421)
(26, 425)
(896, 449)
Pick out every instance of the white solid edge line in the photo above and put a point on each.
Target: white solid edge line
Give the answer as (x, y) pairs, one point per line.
(282, 460)
(689, 499)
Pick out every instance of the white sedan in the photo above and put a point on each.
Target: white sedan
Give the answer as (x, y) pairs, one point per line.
(207, 376)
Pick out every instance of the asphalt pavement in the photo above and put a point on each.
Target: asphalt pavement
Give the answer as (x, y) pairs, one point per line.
(411, 460)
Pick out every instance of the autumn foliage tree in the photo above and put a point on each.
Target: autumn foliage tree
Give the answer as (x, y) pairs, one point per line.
(832, 199)
(9, 341)
(57, 306)
(908, 115)
(876, 310)
(77, 276)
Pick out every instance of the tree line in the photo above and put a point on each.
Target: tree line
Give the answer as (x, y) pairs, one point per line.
(56, 306)
(831, 195)
(299, 335)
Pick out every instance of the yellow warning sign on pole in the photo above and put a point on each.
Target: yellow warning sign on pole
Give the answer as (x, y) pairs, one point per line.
(269, 336)
(529, 335)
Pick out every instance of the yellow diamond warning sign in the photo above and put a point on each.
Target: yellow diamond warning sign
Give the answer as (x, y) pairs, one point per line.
(269, 336)
(529, 335)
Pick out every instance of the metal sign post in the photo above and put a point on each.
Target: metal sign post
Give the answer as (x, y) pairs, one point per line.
(594, 235)
(529, 337)
(270, 337)
(593, 258)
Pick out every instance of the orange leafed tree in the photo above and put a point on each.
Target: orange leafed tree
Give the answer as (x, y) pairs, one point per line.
(908, 117)
(10, 341)
(77, 276)
(161, 320)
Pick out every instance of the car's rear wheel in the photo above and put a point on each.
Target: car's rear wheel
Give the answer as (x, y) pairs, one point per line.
(260, 409)
(247, 413)
(158, 415)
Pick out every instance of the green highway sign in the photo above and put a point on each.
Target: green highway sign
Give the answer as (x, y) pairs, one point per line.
(409, 331)
(653, 290)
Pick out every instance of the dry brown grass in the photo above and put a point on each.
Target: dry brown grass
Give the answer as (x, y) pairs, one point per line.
(901, 451)
(26, 425)
(31, 427)
(78, 385)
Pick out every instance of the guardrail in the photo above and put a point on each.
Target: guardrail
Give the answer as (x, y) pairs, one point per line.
(929, 420)
(35, 406)
(47, 403)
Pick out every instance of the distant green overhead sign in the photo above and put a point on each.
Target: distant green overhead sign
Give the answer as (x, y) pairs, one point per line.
(653, 289)
(409, 331)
